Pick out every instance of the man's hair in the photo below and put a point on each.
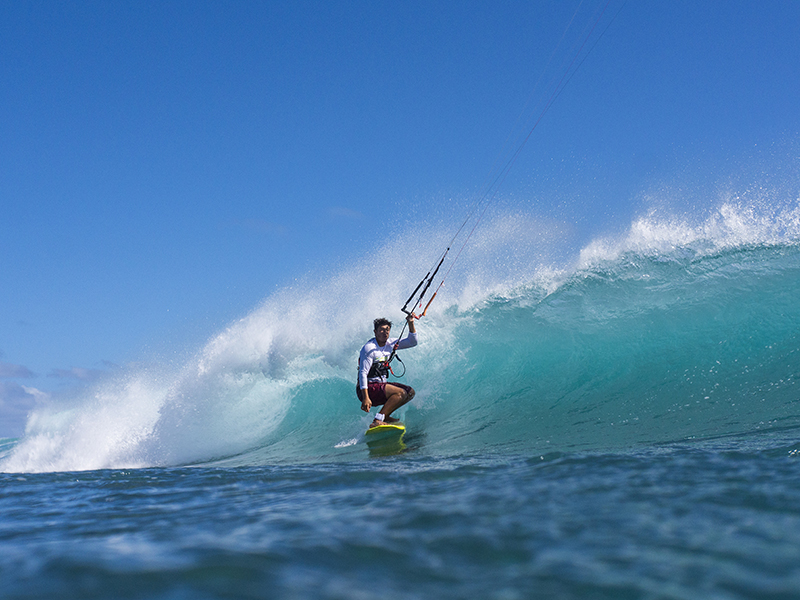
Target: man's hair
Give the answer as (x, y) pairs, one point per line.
(380, 322)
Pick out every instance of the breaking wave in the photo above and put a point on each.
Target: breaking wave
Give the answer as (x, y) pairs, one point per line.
(670, 331)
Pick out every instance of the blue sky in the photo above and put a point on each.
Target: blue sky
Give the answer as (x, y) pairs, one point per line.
(164, 166)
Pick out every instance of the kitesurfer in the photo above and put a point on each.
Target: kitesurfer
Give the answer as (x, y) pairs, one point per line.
(372, 388)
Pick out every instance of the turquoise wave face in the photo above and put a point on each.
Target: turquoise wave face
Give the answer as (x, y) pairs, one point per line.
(654, 339)
(644, 350)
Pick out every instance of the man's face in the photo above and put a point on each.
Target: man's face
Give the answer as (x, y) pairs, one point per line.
(382, 334)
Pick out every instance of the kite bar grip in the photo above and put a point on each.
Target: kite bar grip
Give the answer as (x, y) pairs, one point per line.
(428, 304)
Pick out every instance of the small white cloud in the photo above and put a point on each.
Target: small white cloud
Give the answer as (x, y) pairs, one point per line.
(37, 395)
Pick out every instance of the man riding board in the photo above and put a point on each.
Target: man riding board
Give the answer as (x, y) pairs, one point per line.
(373, 389)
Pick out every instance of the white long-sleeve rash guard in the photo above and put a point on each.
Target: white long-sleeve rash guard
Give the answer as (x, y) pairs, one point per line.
(371, 353)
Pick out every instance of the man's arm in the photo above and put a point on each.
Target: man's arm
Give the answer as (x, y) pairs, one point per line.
(411, 340)
(366, 403)
(364, 363)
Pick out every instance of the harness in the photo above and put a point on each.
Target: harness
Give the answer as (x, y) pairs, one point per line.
(379, 369)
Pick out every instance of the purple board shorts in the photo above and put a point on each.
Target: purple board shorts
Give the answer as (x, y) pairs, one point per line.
(377, 391)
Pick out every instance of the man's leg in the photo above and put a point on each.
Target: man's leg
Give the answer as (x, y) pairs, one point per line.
(396, 397)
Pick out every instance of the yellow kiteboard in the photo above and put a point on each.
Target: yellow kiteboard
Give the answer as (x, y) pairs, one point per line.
(388, 432)
(385, 440)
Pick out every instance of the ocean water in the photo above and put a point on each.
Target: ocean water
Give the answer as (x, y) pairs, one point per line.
(620, 421)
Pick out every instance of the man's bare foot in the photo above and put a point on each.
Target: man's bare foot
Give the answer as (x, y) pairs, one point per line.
(375, 423)
(391, 420)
